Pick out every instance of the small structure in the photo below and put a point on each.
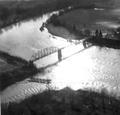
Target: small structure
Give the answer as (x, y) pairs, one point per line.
(59, 55)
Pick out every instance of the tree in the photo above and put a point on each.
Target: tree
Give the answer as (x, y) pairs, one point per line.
(96, 33)
(4, 13)
(87, 32)
(100, 34)
(74, 28)
(117, 33)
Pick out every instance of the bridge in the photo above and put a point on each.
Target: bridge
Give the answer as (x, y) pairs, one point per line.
(48, 51)
(43, 53)
(51, 55)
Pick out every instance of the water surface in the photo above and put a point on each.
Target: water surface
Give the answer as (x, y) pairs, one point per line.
(24, 38)
(94, 68)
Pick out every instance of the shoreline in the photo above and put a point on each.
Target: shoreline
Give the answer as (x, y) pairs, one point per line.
(102, 42)
(60, 102)
(57, 28)
(23, 69)
(65, 101)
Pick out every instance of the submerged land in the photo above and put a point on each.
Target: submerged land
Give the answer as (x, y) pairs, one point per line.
(51, 102)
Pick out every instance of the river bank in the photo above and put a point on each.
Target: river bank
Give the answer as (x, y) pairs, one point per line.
(102, 42)
(67, 25)
(66, 101)
(102, 72)
(27, 69)
(18, 70)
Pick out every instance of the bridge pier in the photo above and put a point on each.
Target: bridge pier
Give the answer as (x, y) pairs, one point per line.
(59, 55)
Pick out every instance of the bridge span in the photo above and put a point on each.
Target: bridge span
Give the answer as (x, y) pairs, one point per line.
(51, 55)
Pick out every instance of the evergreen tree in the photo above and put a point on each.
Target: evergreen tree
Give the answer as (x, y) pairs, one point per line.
(74, 28)
(100, 34)
(96, 33)
(117, 33)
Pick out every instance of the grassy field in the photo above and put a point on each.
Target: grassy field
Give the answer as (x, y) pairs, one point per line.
(65, 102)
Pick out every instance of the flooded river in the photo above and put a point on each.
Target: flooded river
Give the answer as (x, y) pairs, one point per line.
(94, 67)
(25, 38)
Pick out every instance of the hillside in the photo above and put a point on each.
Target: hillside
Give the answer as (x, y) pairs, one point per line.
(12, 68)
(17, 10)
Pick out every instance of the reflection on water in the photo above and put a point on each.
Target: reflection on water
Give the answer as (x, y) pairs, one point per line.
(24, 38)
(93, 68)
(96, 68)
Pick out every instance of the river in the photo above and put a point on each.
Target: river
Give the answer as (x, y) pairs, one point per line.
(95, 68)
(25, 38)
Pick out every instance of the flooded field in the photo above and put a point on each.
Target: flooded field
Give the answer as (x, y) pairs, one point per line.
(94, 67)
(24, 39)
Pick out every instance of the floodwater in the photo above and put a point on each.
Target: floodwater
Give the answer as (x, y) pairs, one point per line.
(25, 38)
(95, 67)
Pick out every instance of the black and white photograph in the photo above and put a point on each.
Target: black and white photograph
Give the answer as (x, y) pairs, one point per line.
(59, 57)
